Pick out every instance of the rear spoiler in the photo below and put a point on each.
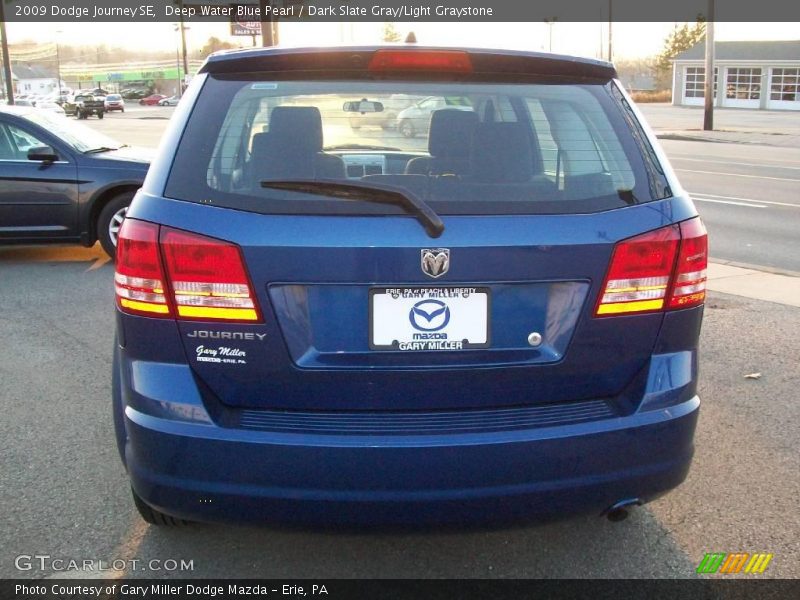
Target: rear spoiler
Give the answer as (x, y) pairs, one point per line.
(500, 64)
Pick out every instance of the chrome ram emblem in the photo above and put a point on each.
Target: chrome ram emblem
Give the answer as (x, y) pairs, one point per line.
(435, 261)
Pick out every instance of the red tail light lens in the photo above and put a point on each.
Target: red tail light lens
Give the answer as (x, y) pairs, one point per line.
(204, 279)
(661, 269)
(640, 272)
(453, 61)
(139, 278)
(208, 278)
(689, 288)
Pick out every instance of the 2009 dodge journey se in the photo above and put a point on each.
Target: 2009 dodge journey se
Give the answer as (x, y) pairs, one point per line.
(488, 310)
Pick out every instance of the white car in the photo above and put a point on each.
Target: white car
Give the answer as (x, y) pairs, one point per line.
(50, 107)
(114, 102)
(416, 119)
(171, 101)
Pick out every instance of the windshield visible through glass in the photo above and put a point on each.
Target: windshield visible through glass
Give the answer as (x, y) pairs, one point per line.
(80, 137)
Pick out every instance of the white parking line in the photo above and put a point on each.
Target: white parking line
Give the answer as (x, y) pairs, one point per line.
(740, 175)
(770, 165)
(697, 195)
(749, 205)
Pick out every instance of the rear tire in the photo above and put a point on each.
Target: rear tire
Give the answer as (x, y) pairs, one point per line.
(156, 517)
(109, 221)
(100, 115)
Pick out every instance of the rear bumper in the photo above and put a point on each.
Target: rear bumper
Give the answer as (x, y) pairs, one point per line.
(200, 471)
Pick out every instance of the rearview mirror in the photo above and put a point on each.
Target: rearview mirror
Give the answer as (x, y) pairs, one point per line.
(362, 106)
(43, 154)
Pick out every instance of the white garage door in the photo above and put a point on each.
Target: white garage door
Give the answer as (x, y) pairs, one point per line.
(742, 87)
(694, 81)
(784, 89)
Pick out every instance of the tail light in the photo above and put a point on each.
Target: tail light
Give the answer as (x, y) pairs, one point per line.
(181, 274)
(207, 277)
(665, 268)
(139, 278)
(689, 288)
(454, 61)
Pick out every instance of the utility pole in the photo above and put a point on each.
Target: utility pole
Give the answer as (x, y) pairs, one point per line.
(610, 46)
(267, 33)
(708, 116)
(179, 87)
(183, 49)
(6, 58)
(58, 66)
(550, 22)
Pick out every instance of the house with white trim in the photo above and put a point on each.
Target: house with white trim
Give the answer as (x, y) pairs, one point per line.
(763, 75)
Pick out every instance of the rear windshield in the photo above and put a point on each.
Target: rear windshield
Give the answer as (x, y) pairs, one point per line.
(464, 147)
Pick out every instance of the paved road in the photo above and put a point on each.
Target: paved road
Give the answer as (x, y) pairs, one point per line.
(64, 492)
(747, 195)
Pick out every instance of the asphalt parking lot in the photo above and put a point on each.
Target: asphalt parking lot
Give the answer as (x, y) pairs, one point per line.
(65, 493)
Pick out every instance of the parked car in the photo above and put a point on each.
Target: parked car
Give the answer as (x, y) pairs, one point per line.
(152, 99)
(61, 181)
(415, 119)
(51, 107)
(134, 94)
(114, 102)
(503, 326)
(171, 101)
(84, 105)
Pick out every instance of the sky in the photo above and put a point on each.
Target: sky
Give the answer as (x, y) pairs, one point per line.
(631, 40)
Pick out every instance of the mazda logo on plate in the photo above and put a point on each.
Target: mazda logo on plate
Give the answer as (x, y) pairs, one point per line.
(435, 261)
(429, 315)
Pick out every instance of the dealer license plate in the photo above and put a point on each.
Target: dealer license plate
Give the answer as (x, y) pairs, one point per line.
(429, 318)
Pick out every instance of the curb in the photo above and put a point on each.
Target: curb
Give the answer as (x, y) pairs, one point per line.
(761, 283)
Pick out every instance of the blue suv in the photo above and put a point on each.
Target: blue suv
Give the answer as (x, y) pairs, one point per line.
(497, 320)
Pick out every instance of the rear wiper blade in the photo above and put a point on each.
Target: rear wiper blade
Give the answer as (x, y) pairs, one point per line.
(366, 192)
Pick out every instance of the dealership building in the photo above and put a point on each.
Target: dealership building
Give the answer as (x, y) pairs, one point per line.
(763, 75)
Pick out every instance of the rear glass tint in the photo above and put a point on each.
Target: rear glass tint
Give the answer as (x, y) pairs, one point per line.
(466, 148)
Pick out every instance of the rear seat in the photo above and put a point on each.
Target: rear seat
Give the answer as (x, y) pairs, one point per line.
(449, 144)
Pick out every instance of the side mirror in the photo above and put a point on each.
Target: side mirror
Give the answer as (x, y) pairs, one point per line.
(44, 154)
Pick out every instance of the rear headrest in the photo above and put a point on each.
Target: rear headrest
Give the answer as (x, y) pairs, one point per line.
(501, 153)
(451, 133)
(299, 127)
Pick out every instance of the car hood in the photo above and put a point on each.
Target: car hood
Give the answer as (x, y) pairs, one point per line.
(131, 154)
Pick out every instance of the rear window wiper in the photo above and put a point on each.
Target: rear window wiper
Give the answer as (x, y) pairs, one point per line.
(366, 192)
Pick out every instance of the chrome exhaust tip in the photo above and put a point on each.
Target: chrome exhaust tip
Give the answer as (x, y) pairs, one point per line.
(620, 511)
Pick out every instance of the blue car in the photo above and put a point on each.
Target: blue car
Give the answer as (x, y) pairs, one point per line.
(495, 322)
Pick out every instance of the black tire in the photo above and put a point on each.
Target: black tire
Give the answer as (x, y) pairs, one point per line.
(110, 211)
(100, 115)
(406, 128)
(156, 517)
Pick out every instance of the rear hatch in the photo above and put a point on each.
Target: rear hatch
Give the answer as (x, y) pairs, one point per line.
(359, 305)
